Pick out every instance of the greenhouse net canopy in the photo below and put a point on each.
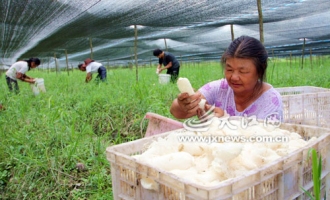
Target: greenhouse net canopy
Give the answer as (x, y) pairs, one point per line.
(127, 31)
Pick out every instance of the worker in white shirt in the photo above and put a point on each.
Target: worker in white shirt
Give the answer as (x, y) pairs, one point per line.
(92, 67)
(18, 70)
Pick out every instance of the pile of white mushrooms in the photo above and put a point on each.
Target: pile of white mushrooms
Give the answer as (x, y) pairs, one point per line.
(207, 163)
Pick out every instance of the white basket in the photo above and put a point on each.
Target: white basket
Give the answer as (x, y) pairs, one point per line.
(38, 86)
(164, 78)
(306, 105)
(300, 90)
(281, 179)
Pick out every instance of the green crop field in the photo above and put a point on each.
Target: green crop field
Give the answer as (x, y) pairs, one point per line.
(44, 137)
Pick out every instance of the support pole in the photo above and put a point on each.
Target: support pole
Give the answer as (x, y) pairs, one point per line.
(290, 58)
(56, 67)
(135, 52)
(48, 64)
(180, 60)
(311, 58)
(302, 56)
(91, 46)
(232, 32)
(67, 62)
(261, 27)
(165, 44)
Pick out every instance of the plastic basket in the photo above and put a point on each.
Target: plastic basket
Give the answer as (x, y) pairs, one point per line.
(164, 78)
(280, 179)
(38, 86)
(306, 105)
(300, 90)
(41, 84)
(160, 124)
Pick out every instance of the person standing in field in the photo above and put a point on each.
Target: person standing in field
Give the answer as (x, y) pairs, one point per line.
(92, 67)
(18, 70)
(170, 63)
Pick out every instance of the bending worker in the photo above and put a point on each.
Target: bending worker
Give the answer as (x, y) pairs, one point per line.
(92, 67)
(18, 72)
(170, 63)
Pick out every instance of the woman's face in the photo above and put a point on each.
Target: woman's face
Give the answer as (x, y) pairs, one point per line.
(33, 65)
(241, 74)
(83, 67)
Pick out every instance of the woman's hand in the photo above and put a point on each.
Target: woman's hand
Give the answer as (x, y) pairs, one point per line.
(24, 77)
(189, 104)
(185, 106)
(218, 112)
(30, 80)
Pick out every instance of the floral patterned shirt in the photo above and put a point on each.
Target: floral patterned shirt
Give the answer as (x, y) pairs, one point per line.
(219, 93)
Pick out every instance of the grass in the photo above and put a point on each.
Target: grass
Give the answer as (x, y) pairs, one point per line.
(44, 137)
(317, 172)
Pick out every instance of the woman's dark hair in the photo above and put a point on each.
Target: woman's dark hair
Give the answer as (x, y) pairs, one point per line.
(249, 48)
(157, 52)
(35, 60)
(80, 65)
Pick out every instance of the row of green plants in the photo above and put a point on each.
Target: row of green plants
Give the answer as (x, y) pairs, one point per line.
(53, 145)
